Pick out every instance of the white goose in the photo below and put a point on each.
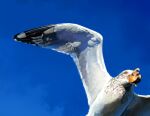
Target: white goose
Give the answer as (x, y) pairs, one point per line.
(107, 96)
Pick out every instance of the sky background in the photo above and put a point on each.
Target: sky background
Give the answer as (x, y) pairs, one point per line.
(41, 82)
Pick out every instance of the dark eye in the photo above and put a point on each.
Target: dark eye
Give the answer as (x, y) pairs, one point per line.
(125, 72)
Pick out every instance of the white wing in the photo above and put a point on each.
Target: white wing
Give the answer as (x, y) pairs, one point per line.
(140, 106)
(89, 58)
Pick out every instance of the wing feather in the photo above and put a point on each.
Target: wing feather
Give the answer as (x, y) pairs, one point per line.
(140, 106)
(89, 61)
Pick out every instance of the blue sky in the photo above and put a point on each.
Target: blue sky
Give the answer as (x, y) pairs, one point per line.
(41, 82)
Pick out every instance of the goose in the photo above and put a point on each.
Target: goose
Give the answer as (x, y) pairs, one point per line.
(107, 95)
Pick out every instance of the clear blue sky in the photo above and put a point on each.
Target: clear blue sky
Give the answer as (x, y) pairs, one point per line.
(41, 82)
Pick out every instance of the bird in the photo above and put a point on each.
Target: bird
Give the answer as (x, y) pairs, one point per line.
(106, 95)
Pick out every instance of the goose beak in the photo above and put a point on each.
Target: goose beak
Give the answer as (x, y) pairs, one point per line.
(135, 77)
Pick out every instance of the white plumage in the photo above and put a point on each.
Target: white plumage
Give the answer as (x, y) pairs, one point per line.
(107, 96)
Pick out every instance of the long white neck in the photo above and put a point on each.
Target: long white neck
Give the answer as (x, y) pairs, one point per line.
(92, 70)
